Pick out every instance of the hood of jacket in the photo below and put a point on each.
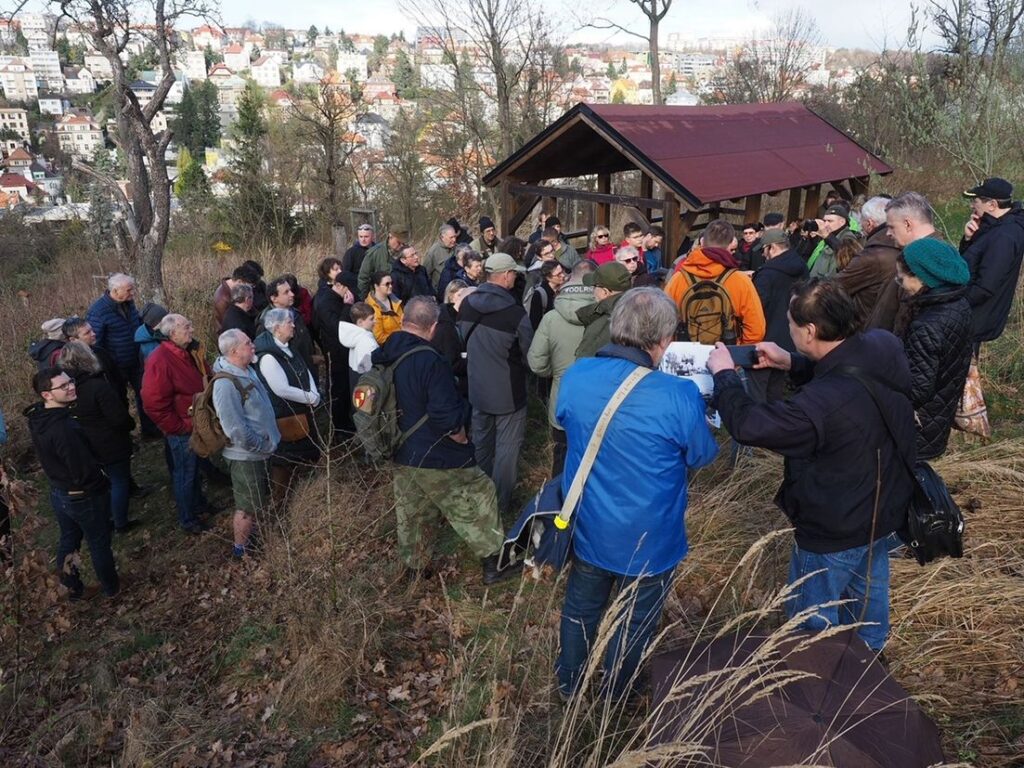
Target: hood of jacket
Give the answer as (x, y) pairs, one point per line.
(571, 299)
(701, 266)
(350, 333)
(41, 349)
(788, 263)
(592, 311)
(490, 298)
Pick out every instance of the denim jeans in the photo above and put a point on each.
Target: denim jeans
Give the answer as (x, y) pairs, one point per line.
(587, 595)
(85, 517)
(845, 577)
(185, 480)
(120, 475)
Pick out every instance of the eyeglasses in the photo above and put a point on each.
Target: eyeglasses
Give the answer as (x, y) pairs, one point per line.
(630, 260)
(62, 387)
(386, 283)
(604, 236)
(749, 232)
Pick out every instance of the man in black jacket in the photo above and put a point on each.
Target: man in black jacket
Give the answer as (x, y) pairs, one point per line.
(332, 305)
(845, 487)
(435, 472)
(992, 246)
(79, 491)
(353, 258)
(409, 277)
(774, 281)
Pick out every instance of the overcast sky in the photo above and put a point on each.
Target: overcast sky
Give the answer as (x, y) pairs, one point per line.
(865, 24)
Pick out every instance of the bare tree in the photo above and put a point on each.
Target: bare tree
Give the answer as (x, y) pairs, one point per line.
(655, 11)
(772, 67)
(142, 233)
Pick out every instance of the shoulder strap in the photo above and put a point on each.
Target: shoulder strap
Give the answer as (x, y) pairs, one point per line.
(590, 455)
(243, 390)
(720, 280)
(413, 351)
(865, 379)
(422, 419)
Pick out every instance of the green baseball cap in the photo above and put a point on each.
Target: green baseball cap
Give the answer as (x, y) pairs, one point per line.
(502, 262)
(611, 275)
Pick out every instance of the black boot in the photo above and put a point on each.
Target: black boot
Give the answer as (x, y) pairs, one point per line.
(491, 573)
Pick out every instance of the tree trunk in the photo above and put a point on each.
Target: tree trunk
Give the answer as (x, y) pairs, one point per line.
(339, 237)
(655, 63)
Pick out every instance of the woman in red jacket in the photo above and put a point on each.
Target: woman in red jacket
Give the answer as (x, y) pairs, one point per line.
(175, 373)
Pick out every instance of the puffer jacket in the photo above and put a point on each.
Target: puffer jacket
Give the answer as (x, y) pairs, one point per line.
(115, 323)
(938, 345)
(389, 319)
(870, 279)
(497, 334)
(596, 318)
(557, 338)
(994, 258)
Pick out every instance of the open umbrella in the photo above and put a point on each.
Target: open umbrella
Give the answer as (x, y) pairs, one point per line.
(850, 713)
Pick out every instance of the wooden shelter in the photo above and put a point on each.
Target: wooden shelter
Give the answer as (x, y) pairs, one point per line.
(705, 161)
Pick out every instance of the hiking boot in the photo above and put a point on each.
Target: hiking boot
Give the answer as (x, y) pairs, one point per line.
(491, 573)
(87, 593)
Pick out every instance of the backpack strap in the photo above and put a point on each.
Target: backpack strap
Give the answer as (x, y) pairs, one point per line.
(865, 379)
(243, 389)
(594, 445)
(422, 419)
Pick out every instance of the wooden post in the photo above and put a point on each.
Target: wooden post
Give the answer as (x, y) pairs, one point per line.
(604, 210)
(812, 201)
(673, 229)
(646, 190)
(859, 185)
(507, 208)
(752, 209)
(551, 209)
(793, 212)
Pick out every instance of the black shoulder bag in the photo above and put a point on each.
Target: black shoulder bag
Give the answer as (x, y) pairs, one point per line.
(935, 524)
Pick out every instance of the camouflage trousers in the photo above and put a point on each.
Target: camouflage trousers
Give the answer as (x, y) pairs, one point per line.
(464, 497)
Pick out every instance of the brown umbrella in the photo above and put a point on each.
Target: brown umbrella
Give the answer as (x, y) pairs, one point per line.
(850, 713)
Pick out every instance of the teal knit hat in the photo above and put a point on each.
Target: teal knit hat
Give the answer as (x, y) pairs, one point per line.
(936, 263)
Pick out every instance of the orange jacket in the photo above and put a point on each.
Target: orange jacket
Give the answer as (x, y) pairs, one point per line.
(745, 301)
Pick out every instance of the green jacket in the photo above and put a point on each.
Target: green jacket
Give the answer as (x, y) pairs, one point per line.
(822, 262)
(559, 334)
(379, 258)
(483, 248)
(435, 260)
(567, 256)
(596, 318)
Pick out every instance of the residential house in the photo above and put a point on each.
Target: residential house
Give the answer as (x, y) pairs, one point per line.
(50, 182)
(307, 72)
(144, 92)
(18, 80)
(353, 60)
(99, 68)
(46, 65)
(377, 85)
(280, 99)
(36, 28)
(9, 30)
(281, 57)
(15, 119)
(53, 105)
(219, 72)
(9, 200)
(15, 183)
(79, 135)
(19, 161)
(80, 79)
(266, 72)
(192, 63)
(177, 89)
(236, 57)
(207, 36)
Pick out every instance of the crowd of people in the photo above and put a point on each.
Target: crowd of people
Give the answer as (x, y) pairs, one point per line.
(864, 292)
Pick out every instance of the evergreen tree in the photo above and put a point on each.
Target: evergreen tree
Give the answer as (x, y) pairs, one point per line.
(254, 207)
(207, 117)
(355, 88)
(191, 185)
(671, 87)
(312, 34)
(185, 124)
(611, 73)
(406, 81)
(622, 67)
(327, 32)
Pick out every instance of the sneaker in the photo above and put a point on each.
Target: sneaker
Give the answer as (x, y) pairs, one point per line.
(491, 573)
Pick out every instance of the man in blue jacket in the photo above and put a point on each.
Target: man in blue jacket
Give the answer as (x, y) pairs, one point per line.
(115, 319)
(436, 473)
(845, 487)
(627, 532)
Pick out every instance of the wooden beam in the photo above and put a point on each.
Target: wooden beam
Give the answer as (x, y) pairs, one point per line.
(812, 201)
(860, 185)
(578, 194)
(688, 220)
(604, 210)
(646, 190)
(518, 213)
(793, 212)
(507, 209)
(752, 209)
(673, 229)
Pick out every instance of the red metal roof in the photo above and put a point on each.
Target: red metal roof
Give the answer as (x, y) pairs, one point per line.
(705, 154)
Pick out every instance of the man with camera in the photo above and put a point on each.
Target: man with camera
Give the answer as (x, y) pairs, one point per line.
(828, 235)
(845, 487)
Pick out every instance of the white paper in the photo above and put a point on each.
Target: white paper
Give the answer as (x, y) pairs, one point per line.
(689, 360)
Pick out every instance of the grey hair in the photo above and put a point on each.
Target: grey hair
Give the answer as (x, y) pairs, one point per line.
(76, 357)
(627, 250)
(118, 279)
(454, 287)
(581, 268)
(420, 312)
(446, 229)
(169, 323)
(874, 209)
(643, 318)
(276, 317)
(240, 293)
(230, 340)
(912, 204)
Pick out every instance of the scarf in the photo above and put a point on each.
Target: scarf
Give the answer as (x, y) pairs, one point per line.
(721, 256)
